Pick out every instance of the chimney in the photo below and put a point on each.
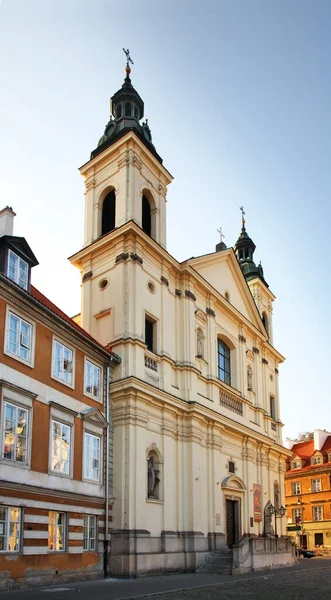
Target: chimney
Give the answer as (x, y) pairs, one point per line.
(7, 221)
(289, 443)
(320, 436)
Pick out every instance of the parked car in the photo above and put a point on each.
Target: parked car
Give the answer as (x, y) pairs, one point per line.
(305, 553)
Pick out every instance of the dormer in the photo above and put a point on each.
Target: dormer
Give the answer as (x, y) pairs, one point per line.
(296, 463)
(317, 458)
(16, 256)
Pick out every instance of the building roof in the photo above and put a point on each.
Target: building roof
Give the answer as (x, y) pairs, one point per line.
(303, 449)
(306, 450)
(37, 295)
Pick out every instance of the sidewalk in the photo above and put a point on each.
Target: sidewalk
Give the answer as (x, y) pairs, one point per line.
(116, 589)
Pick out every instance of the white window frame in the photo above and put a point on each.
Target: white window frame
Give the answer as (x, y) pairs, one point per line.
(66, 418)
(295, 463)
(65, 346)
(99, 437)
(16, 278)
(65, 542)
(5, 526)
(62, 424)
(95, 366)
(21, 317)
(319, 513)
(297, 512)
(316, 485)
(298, 488)
(87, 530)
(14, 460)
(10, 395)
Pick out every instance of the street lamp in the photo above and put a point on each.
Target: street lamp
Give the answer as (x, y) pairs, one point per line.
(279, 513)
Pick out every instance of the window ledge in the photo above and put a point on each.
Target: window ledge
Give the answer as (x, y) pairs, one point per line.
(13, 463)
(19, 359)
(59, 474)
(93, 481)
(154, 501)
(59, 380)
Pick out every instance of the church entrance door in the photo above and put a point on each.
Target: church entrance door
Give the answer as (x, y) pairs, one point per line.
(232, 522)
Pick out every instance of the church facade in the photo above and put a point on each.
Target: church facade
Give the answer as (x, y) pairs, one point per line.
(195, 404)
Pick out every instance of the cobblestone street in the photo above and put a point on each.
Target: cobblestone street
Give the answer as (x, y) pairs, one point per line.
(308, 580)
(303, 585)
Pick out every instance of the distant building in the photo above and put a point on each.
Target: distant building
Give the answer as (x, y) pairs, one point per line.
(307, 491)
(56, 459)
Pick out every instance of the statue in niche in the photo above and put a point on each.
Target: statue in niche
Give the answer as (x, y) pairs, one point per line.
(249, 378)
(268, 528)
(152, 478)
(276, 496)
(199, 343)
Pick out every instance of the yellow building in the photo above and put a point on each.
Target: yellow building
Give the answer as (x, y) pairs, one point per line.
(307, 491)
(196, 417)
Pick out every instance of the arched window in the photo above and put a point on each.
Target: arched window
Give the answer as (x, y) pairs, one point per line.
(127, 109)
(223, 361)
(119, 111)
(136, 112)
(146, 216)
(153, 475)
(108, 213)
(265, 322)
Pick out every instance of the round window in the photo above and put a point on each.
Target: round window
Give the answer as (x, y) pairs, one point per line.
(103, 283)
(151, 287)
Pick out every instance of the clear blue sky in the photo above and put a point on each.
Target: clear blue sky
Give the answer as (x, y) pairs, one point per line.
(238, 97)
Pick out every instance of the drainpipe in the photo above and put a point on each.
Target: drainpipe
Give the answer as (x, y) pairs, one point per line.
(106, 540)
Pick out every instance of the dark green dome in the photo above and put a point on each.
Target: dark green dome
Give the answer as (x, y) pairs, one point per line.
(127, 110)
(244, 250)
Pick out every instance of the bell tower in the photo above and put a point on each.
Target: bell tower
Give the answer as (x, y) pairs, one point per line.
(125, 179)
(244, 249)
(125, 211)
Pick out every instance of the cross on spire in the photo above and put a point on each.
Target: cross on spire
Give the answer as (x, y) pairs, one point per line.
(128, 57)
(242, 214)
(221, 234)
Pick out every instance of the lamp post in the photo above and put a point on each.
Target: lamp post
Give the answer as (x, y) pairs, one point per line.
(279, 513)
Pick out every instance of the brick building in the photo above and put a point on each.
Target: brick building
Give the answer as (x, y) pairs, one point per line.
(308, 491)
(56, 442)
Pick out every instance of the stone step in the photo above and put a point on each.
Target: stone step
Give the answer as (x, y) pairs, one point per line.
(219, 561)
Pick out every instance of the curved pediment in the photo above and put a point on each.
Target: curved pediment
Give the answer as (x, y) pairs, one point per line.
(232, 482)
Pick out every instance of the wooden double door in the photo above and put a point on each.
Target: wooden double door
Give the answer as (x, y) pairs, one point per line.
(232, 522)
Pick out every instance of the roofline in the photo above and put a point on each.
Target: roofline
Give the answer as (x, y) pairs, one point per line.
(180, 266)
(111, 355)
(112, 147)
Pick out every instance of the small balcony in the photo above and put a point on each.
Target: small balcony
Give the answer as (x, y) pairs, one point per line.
(151, 362)
(231, 402)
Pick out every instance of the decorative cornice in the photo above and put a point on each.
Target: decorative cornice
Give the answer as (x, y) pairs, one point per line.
(265, 362)
(89, 183)
(256, 350)
(210, 312)
(178, 292)
(164, 280)
(136, 258)
(121, 257)
(190, 295)
(242, 338)
(87, 276)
